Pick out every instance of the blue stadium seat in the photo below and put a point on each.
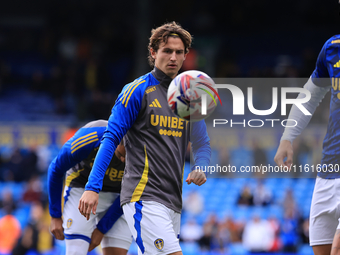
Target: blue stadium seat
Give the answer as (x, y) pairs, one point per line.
(237, 249)
(270, 153)
(241, 157)
(209, 184)
(305, 210)
(23, 214)
(202, 217)
(242, 213)
(17, 189)
(305, 249)
(59, 247)
(190, 248)
(204, 192)
(275, 211)
(230, 199)
(212, 203)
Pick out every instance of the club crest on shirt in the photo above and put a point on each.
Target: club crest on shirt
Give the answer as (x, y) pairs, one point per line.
(69, 223)
(159, 243)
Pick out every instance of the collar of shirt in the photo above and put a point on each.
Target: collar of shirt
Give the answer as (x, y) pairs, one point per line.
(161, 77)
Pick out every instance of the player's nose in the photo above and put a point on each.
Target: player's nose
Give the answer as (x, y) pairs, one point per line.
(173, 56)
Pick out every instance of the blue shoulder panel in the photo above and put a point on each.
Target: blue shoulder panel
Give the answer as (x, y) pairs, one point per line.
(123, 115)
(324, 67)
(74, 151)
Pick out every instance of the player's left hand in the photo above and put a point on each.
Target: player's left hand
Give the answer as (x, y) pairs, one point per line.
(96, 238)
(87, 203)
(198, 177)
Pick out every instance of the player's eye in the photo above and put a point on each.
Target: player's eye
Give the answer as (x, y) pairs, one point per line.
(179, 52)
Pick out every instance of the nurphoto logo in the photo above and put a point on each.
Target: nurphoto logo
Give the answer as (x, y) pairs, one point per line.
(238, 105)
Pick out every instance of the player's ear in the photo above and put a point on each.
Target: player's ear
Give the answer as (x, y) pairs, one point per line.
(153, 53)
(185, 55)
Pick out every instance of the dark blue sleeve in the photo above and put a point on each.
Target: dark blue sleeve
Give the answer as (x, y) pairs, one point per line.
(55, 186)
(110, 217)
(55, 176)
(200, 144)
(123, 115)
(74, 151)
(321, 71)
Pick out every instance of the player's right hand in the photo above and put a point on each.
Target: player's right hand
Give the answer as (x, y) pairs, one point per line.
(285, 150)
(196, 176)
(56, 228)
(87, 203)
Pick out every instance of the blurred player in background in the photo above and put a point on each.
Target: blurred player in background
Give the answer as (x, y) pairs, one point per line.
(324, 213)
(76, 159)
(155, 141)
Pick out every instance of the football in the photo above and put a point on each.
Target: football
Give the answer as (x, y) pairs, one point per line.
(185, 94)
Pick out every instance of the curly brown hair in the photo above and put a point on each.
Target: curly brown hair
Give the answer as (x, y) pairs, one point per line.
(162, 33)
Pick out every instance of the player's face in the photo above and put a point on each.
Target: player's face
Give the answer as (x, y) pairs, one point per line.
(170, 56)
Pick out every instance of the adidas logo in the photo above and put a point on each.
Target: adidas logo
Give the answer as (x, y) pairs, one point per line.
(337, 64)
(155, 104)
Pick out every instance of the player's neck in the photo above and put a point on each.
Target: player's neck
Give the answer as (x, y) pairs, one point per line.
(161, 76)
